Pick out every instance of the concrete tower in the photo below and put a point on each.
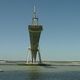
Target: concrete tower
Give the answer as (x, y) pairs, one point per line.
(34, 33)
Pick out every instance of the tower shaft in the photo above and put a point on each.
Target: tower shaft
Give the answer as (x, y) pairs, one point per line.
(34, 33)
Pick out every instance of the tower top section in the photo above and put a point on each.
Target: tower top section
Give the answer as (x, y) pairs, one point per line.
(34, 16)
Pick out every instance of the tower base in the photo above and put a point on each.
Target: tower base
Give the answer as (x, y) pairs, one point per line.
(32, 60)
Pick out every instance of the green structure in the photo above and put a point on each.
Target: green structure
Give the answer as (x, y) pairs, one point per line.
(34, 33)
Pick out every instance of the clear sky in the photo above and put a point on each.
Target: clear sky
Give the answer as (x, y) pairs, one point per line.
(60, 39)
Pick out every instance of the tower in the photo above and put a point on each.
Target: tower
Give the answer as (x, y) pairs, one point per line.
(34, 34)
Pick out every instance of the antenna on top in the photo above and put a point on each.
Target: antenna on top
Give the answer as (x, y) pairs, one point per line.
(34, 17)
(34, 6)
(34, 11)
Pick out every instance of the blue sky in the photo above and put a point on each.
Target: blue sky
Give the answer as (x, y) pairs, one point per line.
(60, 39)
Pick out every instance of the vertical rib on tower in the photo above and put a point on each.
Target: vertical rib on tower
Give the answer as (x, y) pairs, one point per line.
(34, 33)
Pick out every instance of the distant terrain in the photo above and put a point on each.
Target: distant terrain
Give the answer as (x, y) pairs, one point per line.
(54, 63)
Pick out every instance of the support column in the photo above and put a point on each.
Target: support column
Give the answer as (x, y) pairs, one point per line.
(39, 57)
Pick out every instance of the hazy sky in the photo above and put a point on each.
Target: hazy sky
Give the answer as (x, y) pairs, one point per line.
(60, 39)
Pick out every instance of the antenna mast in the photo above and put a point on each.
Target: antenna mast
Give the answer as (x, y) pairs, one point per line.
(34, 17)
